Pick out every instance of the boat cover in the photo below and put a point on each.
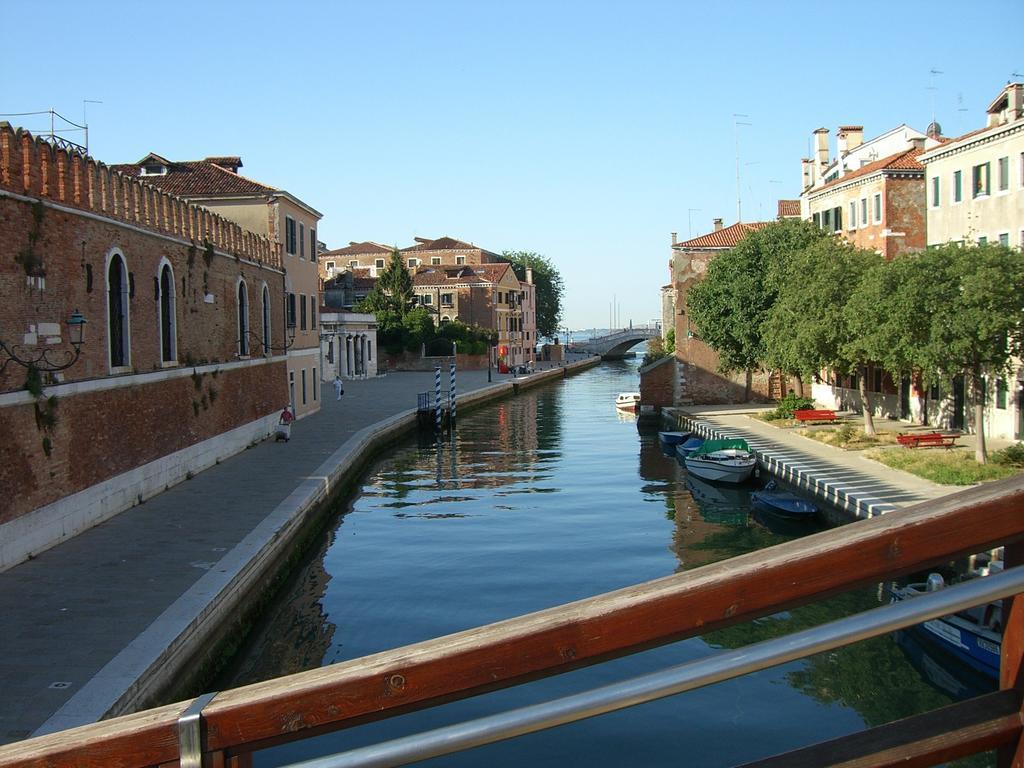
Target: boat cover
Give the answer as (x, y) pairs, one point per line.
(710, 446)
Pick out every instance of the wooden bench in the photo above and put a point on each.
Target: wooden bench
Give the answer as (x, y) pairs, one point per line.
(812, 415)
(927, 440)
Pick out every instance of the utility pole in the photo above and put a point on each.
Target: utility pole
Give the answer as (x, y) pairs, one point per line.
(736, 132)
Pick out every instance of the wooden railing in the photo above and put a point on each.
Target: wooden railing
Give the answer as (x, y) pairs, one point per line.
(607, 626)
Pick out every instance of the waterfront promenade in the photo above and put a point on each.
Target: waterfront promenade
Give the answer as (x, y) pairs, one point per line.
(84, 621)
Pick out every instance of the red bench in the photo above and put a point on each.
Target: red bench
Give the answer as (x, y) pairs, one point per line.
(927, 440)
(812, 415)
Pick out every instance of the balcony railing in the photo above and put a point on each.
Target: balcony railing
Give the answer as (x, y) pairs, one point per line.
(226, 729)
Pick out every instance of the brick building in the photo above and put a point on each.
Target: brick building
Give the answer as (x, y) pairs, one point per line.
(484, 295)
(276, 214)
(367, 257)
(698, 379)
(871, 193)
(166, 383)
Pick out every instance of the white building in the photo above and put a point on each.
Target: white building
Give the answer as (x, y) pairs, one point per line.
(348, 344)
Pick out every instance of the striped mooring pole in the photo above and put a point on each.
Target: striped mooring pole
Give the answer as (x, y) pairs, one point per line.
(437, 397)
(451, 415)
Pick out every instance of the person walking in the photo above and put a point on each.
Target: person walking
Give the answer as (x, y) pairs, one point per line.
(339, 388)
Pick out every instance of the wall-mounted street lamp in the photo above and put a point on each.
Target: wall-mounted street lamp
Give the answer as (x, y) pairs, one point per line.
(270, 347)
(48, 359)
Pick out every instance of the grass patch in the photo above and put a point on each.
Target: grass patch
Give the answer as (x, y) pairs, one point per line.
(849, 437)
(953, 467)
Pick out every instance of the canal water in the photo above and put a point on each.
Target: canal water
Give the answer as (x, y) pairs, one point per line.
(542, 499)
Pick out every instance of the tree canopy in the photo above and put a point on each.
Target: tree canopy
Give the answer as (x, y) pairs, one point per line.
(730, 306)
(393, 290)
(550, 287)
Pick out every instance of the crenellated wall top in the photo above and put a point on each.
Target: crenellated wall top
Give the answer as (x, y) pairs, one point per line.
(31, 166)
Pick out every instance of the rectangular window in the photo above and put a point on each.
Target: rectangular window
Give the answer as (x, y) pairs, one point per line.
(312, 249)
(446, 299)
(839, 219)
(863, 211)
(958, 186)
(435, 260)
(353, 263)
(314, 385)
(302, 241)
(980, 182)
(935, 191)
(1004, 173)
(312, 313)
(816, 218)
(329, 267)
(379, 263)
(303, 386)
(878, 208)
(852, 223)
(291, 310)
(826, 219)
(983, 240)
(411, 262)
(462, 259)
(426, 299)
(302, 312)
(1004, 239)
(1001, 393)
(289, 235)
(291, 389)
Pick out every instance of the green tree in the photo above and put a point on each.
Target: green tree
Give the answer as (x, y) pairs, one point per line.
(806, 329)
(392, 291)
(550, 287)
(974, 299)
(730, 305)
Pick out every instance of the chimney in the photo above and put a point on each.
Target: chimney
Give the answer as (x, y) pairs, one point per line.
(674, 238)
(718, 224)
(1015, 101)
(821, 151)
(917, 142)
(849, 138)
(227, 163)
(806, 173)
(529, 275)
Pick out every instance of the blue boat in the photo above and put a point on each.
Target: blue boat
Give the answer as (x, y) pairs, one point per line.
(691, 445)
(673, 438)
(974, 636)
(783, 503)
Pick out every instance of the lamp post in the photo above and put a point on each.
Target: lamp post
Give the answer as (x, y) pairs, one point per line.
(268, 347)
(40, 359)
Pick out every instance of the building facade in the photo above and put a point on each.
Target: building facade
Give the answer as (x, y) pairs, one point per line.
(276, 214)
(975, 189)
(166, 382)
(698, 379)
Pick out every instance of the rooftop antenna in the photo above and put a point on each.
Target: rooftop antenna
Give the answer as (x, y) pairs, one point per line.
(736, 131)
(931, 87)
(85, 120)
(689, 219)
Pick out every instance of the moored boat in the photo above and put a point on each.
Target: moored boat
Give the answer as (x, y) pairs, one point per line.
(974, 636)
(783, 503)
(628, 401)
(724, 461)
(673, 438)
(689, 446)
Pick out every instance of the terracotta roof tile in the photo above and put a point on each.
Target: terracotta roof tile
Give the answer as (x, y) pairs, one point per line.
(447, 244)
(461, 275)
(356, 249)
(789, 208)
(726, 237)
(905, 160)
(198, 178)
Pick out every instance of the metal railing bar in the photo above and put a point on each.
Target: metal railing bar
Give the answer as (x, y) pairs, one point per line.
(677, 679)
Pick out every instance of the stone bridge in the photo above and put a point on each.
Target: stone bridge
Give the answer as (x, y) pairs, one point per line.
(614, 345)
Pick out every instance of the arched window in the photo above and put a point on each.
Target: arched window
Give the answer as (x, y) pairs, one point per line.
(117, 310)
(266, 320)
(168, 318)
(243, 320)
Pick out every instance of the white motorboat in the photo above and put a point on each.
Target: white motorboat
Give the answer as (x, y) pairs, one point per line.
(628, 401)
(724, 461)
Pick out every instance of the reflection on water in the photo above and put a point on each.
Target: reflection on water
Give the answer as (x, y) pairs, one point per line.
(536, 501)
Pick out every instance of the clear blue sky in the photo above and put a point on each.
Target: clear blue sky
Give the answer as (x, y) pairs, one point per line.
(585, 131)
